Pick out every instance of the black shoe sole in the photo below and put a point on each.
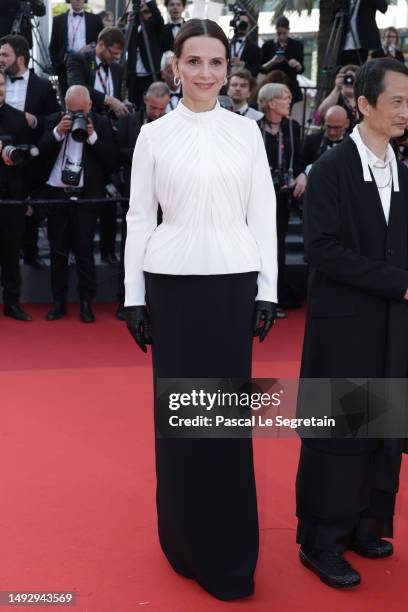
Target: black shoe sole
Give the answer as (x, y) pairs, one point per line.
(323, 577)
(368, 556)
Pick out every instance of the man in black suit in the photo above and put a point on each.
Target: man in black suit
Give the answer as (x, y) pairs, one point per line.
(175, 10)
(244, 53)
(99, 71)
(285, 54)
(361, 35)
(140, 73)
(75, 170)
(12, 187)
(356, 243)
(335, 129)
(27, 92)
(9, 11)
(155, 103)
(73, 31)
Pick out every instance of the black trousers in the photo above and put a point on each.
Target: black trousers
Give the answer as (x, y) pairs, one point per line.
(206, 496)
(341, 498)
(282, 223)
(11, 239)
(30, 239)
(107, 228)
(138, 85)
(72, 224)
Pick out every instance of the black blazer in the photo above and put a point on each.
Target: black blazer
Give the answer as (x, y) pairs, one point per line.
(126, 137)
(8, 12)
(100, 159)
(154, 28)
(59, 37)
(81, 70)
(167, 37)
(251, 55)
(13, 123)
(293, 50)
(381, 53)
(366, 24)
(311, 147)
(41, 99)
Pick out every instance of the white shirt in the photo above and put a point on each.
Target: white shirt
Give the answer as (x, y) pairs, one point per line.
(73, 151)
(175, 27)
(103, 84)
(249, 112)
(76, 32)
(16, 92)
(385, 172)
(174, 99)
(210, 173)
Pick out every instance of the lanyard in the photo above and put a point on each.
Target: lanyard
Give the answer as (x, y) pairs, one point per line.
(75, 29)
(281, 147)
(241, 44)
(104, 81)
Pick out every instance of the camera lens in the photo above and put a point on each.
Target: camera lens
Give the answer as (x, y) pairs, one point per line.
(79, 129)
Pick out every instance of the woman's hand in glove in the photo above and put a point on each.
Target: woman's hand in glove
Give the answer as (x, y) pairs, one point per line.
(266, 312)
(138, 323)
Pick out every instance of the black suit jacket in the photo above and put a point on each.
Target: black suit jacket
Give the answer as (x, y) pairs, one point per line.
(311, 147)
(251, 55)
(81, 70)
(100, 159)
(59, 37)
(8, 12)
(381, 53)
(293, 50)
(154, 28)
(41, 99)
(13, 123)
(366, 24)
(168, 38)
(126, 137)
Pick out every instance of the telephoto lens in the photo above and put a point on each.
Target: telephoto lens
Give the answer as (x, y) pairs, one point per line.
(79, 131)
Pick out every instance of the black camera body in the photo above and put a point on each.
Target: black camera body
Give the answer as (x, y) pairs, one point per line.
(281, 180)
(20, 154)
(79, 130)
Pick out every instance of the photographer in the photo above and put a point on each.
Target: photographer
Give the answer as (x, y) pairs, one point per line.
(10, 9)
(74, 31)
(342, 95)
(244, 53)
(140, 72)
(14, 130)
(390, 46)
(99, 71)
(281, 136)
(79, 153)
(285, 54)
(335, 129)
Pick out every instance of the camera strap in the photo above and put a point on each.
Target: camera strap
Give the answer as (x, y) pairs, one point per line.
(65, 157)
(104, 81)
(281, 147)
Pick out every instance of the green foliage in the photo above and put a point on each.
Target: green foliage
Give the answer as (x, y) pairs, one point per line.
(62, 7)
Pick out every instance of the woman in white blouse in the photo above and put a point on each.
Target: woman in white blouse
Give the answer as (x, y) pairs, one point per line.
(208, 276)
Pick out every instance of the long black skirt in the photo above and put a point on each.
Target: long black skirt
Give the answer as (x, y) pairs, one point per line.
(206, 496)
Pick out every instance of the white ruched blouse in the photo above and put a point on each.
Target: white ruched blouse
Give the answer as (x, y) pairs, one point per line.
(209, 172)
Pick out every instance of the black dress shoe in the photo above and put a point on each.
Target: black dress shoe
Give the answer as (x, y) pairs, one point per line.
(120, 313)
(377, 549)
(58, 311)
(110, 258)
(16, 312)
(330, 566)
(85, 313)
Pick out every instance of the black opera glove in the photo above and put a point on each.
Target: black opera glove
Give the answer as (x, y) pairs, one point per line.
(138, 323)
(266, 312)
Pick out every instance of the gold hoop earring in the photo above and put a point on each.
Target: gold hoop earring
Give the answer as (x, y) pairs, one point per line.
(225, 81)
(177, 81)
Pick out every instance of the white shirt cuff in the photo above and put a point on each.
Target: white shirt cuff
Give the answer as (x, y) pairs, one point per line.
(57, 135)
(93, 138)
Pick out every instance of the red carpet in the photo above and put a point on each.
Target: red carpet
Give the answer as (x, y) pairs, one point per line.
(77, 508)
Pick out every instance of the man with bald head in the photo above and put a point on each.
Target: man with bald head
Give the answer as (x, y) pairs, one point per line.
(336, 124)
(77, 168)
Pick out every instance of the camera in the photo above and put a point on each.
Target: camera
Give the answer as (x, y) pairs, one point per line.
(281, 52)
(79, 130)
(281, 180)
(18, 154)
(349, 79)
(240, 26)
(71, 173)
